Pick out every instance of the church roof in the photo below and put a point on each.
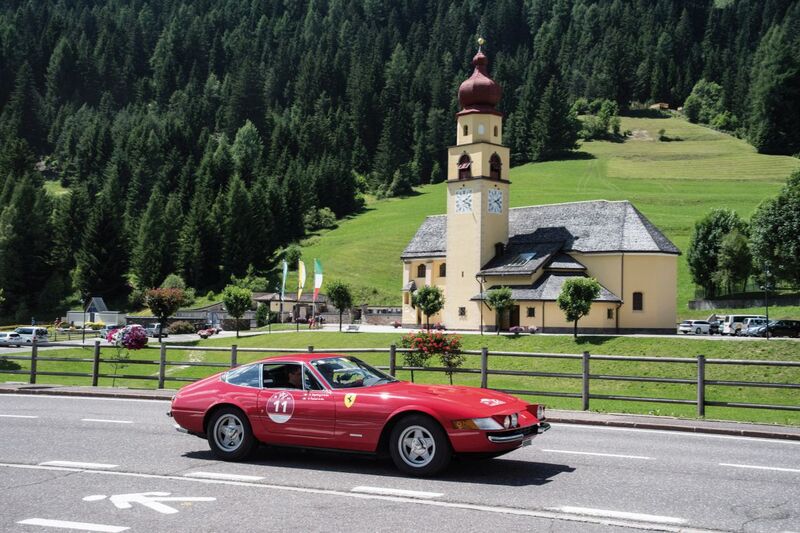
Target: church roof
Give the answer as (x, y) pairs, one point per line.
(548, 287)
(588, 227)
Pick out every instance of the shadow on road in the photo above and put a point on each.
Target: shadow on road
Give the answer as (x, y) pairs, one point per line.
(499, 471)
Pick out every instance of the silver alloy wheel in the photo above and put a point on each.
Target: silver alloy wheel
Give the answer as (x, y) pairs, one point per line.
(417, 446)
(228, 432)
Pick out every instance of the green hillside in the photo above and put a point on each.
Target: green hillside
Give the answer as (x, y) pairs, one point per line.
(673, 183)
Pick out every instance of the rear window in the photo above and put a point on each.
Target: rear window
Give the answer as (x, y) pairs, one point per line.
(245, 376)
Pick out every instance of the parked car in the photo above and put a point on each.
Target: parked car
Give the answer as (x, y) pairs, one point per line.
(10, 338)
(780, 328)
(28, 333)
(734, 324)
(108, 328)
(750, 326)
(207, 332)
(698, 327)
(154, 330)
(714, 327)
(339, 402)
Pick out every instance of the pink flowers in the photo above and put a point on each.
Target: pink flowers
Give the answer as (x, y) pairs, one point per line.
(129, 337)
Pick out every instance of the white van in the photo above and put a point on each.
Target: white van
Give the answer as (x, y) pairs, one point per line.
(27, 333)
(734, 324)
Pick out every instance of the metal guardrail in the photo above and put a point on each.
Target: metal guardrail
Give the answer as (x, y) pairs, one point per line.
(585, 375)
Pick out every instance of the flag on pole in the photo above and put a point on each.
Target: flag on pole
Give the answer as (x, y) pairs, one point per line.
(317, 278)
(283, 282)
(301, 278)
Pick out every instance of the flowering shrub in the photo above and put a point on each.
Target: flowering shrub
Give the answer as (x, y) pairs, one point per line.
(427, 344)
(128, 337)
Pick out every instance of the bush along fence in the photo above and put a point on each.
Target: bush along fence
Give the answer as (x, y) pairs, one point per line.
(699, 363)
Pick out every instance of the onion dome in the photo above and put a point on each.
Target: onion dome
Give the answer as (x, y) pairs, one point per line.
(479, 93)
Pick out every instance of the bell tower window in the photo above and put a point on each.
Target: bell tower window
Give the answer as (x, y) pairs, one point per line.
(495, 165)
(466, 130)
(421, 271)
(495, 131)
(464, 167)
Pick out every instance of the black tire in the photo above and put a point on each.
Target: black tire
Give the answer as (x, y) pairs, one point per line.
(697, 331)
(230, 435)
(419, 446)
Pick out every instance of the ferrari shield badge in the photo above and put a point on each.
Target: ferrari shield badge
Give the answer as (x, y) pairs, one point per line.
(349, 399)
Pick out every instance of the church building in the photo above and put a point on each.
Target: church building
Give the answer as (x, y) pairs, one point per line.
(483, 244)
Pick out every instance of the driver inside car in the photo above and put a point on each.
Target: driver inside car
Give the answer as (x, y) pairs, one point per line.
(294, 377)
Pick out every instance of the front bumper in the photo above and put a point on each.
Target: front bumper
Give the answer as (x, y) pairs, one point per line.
(518, 435)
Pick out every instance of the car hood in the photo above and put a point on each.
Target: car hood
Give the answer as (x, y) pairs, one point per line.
(484, 400)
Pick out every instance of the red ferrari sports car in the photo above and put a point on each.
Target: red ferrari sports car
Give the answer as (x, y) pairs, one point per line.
(339, 402)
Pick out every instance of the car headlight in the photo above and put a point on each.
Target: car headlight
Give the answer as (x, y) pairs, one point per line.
(514, 420)
(477, 423)
(540, 412)
(507, 422)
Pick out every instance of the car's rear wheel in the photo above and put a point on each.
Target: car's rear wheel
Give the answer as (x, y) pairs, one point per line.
(697, 331)
(419, 446)
(230, 435)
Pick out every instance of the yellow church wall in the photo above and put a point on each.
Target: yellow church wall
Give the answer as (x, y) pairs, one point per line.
(597, 317)
(479, 127)
(432, 277)
(479, 153)
(656, 277)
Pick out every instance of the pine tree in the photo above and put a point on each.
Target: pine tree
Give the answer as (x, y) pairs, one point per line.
(555, 128)
(238, 229)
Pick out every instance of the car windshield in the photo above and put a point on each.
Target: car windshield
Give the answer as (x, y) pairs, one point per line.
(349, 372)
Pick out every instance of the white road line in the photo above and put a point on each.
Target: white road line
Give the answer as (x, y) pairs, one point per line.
(546, 514)
(18, 416)
(107, 421)
(227, 477)
(93, 399)
(676, 433)
(72, 464)
(599, 454)
(603, 513)
(63, 524)
(754, 467)
(397, 492)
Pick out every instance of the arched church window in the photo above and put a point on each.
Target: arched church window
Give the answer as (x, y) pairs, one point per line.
(495, 165)
(421, 271)
(443, 270)
(466, 130)
(495, 131)
(464, 167)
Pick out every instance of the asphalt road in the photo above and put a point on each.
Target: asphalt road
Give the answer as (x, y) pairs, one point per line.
(93, 464)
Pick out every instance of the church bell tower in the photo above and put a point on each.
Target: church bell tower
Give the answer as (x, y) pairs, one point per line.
(477, 193)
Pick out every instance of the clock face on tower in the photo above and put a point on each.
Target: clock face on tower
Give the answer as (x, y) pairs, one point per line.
(495, 201)
(464, 201)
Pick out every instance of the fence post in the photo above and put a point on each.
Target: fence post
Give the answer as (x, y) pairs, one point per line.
(310, 349)
(34, 355)
(95, 363)
(162, 364)
(392, 359)
(701, 385)
(585, 392)
(234, 364)
(484, 367)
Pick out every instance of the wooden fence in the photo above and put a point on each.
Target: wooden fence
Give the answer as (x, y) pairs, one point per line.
(586, 377)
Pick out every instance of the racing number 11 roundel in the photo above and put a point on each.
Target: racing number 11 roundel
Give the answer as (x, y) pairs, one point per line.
(280, 407)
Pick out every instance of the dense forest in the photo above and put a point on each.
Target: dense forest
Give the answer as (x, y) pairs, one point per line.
(201, 137)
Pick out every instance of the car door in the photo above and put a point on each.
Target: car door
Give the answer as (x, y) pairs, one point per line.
(290, 415)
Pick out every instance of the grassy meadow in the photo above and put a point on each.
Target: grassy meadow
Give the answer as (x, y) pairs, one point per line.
(784, 350)
(673, 183)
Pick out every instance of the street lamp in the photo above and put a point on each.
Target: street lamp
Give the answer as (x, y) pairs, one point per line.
(766, 288)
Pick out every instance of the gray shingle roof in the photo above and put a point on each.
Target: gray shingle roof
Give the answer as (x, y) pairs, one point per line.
(564, 262)
(588, 227)
(521, 259)
(547, 288)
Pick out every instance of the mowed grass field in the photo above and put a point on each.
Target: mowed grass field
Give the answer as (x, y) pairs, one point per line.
(776, 350)
(673, 183)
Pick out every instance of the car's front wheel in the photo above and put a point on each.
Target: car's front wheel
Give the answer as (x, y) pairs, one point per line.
(697, 331)
(230, 435)
(419, 446)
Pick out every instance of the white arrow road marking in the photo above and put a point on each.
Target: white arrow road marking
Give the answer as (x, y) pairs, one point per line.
(149, 499)
(18, 416)
(107, 421)
(63, 524)
(599, 454)
(397, 492)
(620, 515)
(774, 468)
(72, 464)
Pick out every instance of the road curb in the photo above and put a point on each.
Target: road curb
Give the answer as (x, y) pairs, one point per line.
(561, 417)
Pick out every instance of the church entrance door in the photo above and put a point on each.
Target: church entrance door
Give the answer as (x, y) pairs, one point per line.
(513, 319)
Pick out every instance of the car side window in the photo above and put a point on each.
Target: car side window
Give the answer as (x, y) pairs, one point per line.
(282, 376)
(245, 376)
(311, 382)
